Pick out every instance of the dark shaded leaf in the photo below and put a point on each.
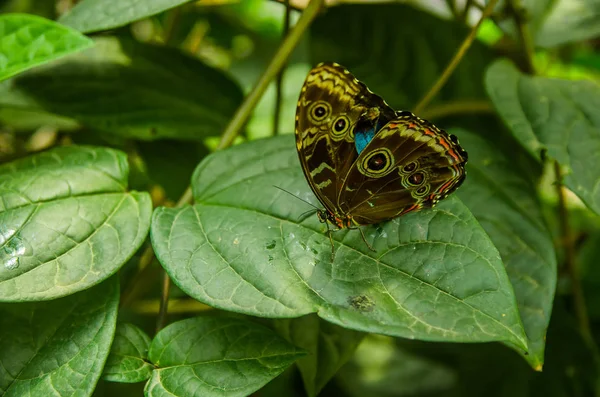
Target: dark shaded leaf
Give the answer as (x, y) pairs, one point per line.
(57, 348)
(139, 91)
(499, 191)
(127, 361)
(329, 346)
(557, 116)
(216, 356)
(93, 15)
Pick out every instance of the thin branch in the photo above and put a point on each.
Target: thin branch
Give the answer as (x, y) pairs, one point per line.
(567, 241)
(279, 80)
(456, 60)
(164, 302)
(465, 13)
(451, 4)
(284, 51)
(515, 8)
(457, 107)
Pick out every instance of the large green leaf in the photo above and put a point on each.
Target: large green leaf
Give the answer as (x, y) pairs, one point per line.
(67, 221)
(435, 274)
(398, 51)
(216, 356)
(558, 22)
(57, 348)
(28, 40)
(137, 90)
(93, 15)
(128, 357)
(329, 347)
(557, 116)
(499, 191)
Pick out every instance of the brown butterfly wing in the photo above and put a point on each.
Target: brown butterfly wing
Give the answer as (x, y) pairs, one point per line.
(331, 106)
(408, 165)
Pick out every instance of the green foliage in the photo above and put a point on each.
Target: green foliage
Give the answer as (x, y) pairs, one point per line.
(93, 15)
(209, 252)
(58, 346)
(27, 41)
(205, 357)
(570, 135)
(84, 239)
(68, 222)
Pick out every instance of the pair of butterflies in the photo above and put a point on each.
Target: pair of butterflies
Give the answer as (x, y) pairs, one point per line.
(366, 162)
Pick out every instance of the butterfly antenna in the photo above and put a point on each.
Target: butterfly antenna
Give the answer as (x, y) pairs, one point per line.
(301, 199)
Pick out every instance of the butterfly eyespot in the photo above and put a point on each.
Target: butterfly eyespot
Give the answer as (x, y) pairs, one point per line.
(340, 127)
(410, 167)
(416, 179)
(422, 190)
(319, 111)
(378, 163)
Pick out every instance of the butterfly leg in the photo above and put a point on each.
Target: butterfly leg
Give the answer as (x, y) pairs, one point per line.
(332, 246)
(365, 240)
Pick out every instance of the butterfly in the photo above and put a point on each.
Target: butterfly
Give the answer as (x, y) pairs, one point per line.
(364, 161)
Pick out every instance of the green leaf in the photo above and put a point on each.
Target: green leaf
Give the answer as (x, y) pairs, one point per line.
(137, 91)
(216, 356)
(399, 51)
(67, 221)
(57, 348)
(435, 275)
(557, 22)
(329, 347)
(28, 40)
(93, 15)
(557, 116)
(127, 361)
(500, 192)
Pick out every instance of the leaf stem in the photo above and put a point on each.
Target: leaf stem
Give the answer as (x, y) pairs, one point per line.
(515, 8)
(451, 4)
(164, 302)
(460, 53)
(452, 108)
(279, 79)
(568, 242)
(284, 51)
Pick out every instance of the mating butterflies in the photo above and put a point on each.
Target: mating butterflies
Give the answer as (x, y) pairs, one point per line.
(365, 162)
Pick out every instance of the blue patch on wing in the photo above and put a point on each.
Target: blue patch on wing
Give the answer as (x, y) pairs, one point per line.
(362, 139)
(364, 136)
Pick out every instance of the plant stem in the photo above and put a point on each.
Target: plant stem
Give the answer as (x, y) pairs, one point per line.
(284, 51)
(164, 302)
(465, 13)
(516, 9)
(279, 79)
(460, 53)
(457, 107)
(451, 4)
(567, 241)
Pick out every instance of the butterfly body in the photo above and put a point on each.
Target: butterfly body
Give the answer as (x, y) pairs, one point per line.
(365, 162)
